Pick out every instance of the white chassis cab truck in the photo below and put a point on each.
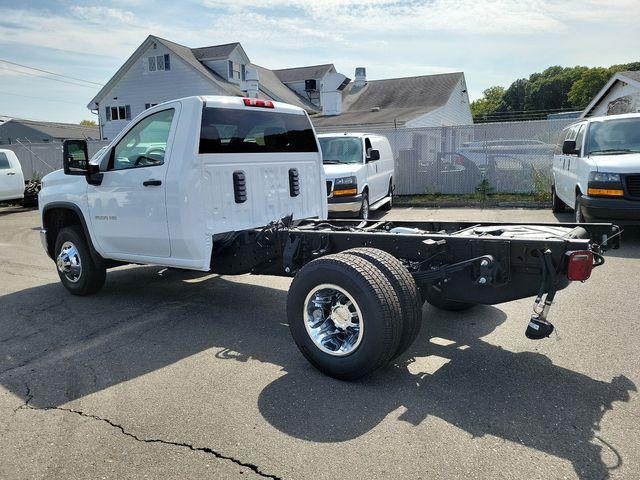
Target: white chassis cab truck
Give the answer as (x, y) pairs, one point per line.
(236, 185)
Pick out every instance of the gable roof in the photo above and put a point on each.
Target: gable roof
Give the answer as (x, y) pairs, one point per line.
(214, 51)
(58, 130)
(270, 85)
(630, 77)
(300, 74)
(184, 53)
(392, 100)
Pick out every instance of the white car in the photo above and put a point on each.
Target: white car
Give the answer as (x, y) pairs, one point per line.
(11, 177)
(596, 169)
(359, 171)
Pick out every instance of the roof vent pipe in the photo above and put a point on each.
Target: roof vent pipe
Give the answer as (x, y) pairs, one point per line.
(251, 85)
(360, 77)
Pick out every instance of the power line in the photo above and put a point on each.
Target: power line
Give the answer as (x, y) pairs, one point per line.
(51, 73)
(37, 98)
(49, 78)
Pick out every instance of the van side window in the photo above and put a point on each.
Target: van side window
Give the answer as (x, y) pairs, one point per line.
(367, 146)
(145, 144)
(4, 161)
(580, 136)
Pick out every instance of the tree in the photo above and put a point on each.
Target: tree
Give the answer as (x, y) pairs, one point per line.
(88, 123)
(587, 86)
(489, 103)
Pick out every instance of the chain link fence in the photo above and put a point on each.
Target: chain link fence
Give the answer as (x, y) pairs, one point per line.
(511, 157)
(38, 159)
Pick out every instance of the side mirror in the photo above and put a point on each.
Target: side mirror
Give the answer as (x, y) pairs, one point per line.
(569, 147)
(75, 159)
(373, 155)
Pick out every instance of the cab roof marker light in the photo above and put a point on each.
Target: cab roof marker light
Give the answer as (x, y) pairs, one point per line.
(256, 102)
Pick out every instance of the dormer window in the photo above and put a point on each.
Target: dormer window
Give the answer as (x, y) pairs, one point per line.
(159, 62)
(235, 70)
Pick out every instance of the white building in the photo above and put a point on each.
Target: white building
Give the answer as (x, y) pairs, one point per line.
(621, 94)
(161, 70)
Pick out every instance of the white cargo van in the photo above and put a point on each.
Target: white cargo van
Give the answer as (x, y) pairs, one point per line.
(11, 177)
(359, 171)
(596, 169)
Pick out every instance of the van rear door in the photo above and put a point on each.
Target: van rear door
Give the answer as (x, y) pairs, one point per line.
(260, 163)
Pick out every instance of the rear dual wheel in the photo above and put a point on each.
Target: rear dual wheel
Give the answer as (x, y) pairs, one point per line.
(351, 313)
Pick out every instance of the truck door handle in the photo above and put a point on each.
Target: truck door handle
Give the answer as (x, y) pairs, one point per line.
(11, 173)
(152, 183)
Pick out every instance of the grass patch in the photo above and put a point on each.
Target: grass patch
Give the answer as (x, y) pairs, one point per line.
(473, 197)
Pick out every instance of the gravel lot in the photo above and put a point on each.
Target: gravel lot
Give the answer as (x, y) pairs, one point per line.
(167, 374)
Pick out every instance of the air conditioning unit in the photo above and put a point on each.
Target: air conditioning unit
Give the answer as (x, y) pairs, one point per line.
(310, 85)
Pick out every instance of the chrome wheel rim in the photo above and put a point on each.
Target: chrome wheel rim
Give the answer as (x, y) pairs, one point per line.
(333, 320)
(68, 262)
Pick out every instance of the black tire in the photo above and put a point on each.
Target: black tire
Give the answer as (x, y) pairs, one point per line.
(364, 209)
(558, 205)
(405, 287)
(92, 277)
(579, 216)
(435, 298)
(378, 303)
(389, 205)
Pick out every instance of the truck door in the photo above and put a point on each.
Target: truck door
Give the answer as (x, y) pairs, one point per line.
(11, 179)
(574, 164)
(374, 175)
(128, 209)
(563, 163)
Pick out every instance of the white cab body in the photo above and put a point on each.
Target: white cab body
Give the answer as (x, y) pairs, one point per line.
(167, 212)
(11, 177)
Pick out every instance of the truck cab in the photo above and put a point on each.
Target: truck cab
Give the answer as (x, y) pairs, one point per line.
(185, 171)
(11, 177)
(359, 169)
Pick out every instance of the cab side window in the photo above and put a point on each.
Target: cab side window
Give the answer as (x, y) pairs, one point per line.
(4, 162)
(561, 139)
(367, 146)
(145, 144)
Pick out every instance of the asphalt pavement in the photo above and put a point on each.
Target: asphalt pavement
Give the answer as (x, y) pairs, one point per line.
(169, 374)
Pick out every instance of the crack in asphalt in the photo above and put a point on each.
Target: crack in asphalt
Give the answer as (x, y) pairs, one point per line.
(207, 450)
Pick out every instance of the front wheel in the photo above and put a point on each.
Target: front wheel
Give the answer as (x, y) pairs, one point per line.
(578, 209)
(76, 268)
(344, 316)
(557, 205)
(364, 208)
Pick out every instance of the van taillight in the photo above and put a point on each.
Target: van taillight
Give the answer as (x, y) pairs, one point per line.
(579, 265)
(256, 102)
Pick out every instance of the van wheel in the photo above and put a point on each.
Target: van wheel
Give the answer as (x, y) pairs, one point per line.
(435, 298)
(558, 205)
(344, 316)
(76, 269)
(389, 205)
(404, 285)
(364, 209)
(578, 209)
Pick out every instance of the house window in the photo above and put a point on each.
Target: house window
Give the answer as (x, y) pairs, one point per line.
(234, 70)
(147, 106)
(121, 112)
(159, 62)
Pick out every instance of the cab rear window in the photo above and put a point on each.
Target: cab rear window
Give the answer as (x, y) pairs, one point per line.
(251, 130)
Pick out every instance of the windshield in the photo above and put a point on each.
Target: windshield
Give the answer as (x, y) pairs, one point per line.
(341, 150)
(614, 136)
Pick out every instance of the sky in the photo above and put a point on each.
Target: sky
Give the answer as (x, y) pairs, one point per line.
(492, 42)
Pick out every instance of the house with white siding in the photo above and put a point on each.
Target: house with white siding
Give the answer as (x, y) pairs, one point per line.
(160, 70)
(621, 94)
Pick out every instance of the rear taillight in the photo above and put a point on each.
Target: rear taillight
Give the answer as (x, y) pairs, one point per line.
(256, 102)
(579, 265)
